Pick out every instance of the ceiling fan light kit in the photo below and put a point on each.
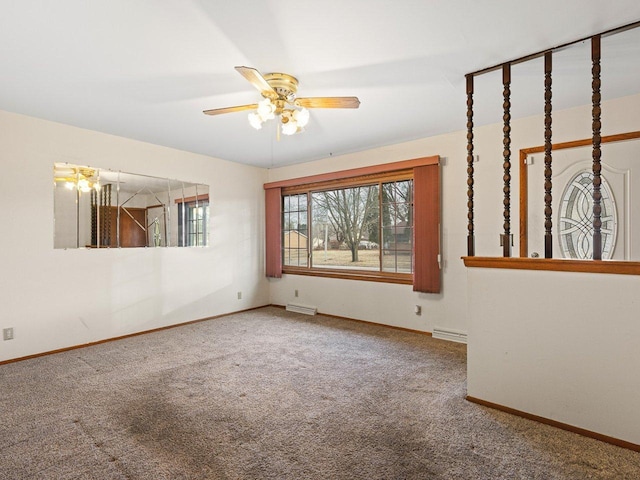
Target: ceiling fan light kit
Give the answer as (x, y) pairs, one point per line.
(279, 92)
(81, 179)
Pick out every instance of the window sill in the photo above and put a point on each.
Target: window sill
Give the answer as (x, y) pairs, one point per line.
(401, 278)
(555, 264)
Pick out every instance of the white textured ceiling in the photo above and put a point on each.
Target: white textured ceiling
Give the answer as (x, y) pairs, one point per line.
(145, 69)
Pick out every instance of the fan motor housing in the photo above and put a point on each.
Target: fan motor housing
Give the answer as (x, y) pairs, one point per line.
(285, 85)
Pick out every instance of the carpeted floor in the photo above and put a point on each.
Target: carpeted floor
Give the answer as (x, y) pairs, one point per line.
(268, 394)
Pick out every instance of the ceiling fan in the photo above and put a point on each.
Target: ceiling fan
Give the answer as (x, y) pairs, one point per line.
(75, 177)
(279, 92)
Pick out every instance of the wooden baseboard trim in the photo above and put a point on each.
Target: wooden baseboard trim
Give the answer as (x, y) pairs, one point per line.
(338, 317)
(113, 339)
(564, 426)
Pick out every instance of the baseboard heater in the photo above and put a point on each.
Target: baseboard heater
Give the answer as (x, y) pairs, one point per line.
(448, 334)
(297, 308)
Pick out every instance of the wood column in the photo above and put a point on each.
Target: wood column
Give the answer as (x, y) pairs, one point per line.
(548, 210)
(471, 251)
(506, 82)
(596, 140)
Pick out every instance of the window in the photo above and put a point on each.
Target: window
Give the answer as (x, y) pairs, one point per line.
(575, 219)
(347, 231)
(359, 224)
(295, 237)
(192, 223)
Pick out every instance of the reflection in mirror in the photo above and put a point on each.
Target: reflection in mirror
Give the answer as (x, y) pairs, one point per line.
(98, 208)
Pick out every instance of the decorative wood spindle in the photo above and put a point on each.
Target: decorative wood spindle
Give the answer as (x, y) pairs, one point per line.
(596, 140)
(106, 217)
(94, 217)
(470, 235)
(548, 223)
(506, 82)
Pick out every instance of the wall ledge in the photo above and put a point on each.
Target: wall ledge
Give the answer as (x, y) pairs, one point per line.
(555, 265)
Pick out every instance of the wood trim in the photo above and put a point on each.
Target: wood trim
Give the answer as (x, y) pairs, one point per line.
(361, 180)
(548, 170)
(471, 250)
(506, 155)
(596, 126)
(555, 265)
(554, 423)
(121, 337)
(356, 172)
(524, 204)
(585, 142)
(393, 327)
(401, 278)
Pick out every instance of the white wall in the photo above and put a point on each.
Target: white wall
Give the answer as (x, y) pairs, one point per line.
(59, 298)
(557, 345)
(385, 303)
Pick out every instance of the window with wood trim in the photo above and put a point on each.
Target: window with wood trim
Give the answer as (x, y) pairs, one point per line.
(360, 224)
(193, 216)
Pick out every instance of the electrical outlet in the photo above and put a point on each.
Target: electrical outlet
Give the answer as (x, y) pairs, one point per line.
(296, 293)
(417, 310)
(239, 295)
(7, 333)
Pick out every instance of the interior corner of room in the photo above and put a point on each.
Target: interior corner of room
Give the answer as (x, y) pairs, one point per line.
(120, 222)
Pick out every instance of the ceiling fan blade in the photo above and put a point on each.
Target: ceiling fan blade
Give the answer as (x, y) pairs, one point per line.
(239, 108)
(328, 102)
(257, 80)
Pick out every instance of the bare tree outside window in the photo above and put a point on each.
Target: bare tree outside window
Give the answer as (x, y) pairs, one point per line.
(364, 227)
(349, 212)
(397, 226)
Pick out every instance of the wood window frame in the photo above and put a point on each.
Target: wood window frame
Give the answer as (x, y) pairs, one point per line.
(428, 259)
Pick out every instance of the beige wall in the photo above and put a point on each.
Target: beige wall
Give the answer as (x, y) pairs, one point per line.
(59, 298)
(558, 345)
(388, 303)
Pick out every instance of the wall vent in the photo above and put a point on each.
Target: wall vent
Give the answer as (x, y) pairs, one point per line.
(448, 334)
(297, 308)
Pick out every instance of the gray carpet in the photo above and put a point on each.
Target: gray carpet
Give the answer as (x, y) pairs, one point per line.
(268, 394)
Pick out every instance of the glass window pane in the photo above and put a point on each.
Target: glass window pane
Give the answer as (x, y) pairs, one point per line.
(346, 228)
(343, 223)
(294, 231)
(388, 193)
(397, 221)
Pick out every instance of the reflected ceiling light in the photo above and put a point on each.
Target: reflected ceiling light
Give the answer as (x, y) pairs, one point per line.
(83, 179)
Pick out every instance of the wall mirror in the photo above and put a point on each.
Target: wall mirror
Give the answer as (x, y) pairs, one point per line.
(100, 208)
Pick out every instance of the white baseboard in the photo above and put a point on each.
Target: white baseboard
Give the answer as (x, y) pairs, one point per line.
(298, 308)
(449, 334)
